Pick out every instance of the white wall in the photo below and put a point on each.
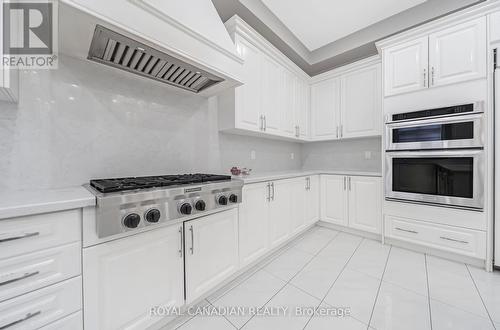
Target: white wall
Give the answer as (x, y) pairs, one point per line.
(343, 155)
(86, 121)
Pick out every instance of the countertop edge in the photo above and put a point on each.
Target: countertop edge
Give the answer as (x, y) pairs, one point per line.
(282, 176)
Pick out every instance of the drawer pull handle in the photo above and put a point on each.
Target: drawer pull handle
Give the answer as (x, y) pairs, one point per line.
(27, 317)
(192, 239)
(407, 230)
(26, 275)
(453, 240)
(2, 240)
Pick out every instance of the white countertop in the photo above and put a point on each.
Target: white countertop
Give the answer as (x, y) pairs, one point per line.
(21, 203)
(268, 176)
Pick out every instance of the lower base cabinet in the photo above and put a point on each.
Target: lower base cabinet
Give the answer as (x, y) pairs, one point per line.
(125, 278)
(211, 250)
(352, 201)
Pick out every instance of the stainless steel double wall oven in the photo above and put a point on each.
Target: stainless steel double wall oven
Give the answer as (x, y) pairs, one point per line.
(437, 156)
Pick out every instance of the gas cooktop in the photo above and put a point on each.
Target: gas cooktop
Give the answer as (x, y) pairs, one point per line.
(144, 182)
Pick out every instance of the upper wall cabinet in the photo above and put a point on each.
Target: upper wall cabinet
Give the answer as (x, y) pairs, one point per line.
(405, 67)
(274, 98)
(447, 56)
(347, 104)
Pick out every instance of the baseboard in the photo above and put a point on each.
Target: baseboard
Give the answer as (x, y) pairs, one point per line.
(376, 237)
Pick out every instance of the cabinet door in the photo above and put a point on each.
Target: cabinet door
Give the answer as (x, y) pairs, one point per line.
(458, 53)
(361, 103)
(334, 199)
(325, 109)
(288, 111)
(302, 99)
(248, 96)
(406, 67)
(211, 251)
(298, 189)
(365, 203)
(280, 212)
(123, 279)
(495, 27)
(253, 223)
(312, 200)
(272, 94)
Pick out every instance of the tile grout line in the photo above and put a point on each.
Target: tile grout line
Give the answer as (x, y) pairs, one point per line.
(288, 282)
(428, 289)
(224, 316)
(481, 297)
(379, 286)
(331, 286)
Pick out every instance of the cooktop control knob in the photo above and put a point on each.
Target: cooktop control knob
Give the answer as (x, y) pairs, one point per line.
(200, 205)
(233, 198)
(153, 215)
(222, 200)
(185, 208)
(132, 220)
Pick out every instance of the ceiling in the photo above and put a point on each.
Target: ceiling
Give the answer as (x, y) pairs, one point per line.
(319, 22)
(320, 35)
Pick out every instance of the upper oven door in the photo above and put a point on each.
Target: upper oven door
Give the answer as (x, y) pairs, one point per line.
(453, 178)
(438, 133)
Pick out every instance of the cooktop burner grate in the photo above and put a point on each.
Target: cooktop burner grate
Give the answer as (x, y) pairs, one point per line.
(134, 183)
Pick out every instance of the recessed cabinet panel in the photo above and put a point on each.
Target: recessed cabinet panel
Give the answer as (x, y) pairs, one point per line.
(495, 27)
(289, 99)
(253, 223)
(302, 108)
(312, 200)
(334, 199)
(365, 203)
(325, 109)
(298, 208)
(361, 103)
(211, 250)
(458, 53)
(121, 285)
(280, 212)
(272, 93)
(248, 96)
(405, 67)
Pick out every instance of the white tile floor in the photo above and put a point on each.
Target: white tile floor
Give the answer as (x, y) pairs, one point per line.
(385, 287)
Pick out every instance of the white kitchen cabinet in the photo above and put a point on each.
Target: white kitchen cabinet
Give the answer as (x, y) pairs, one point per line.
(248, 96)
(334, 199)
(289, 82)
(446, 56)
(312, 200)
(298, 189)
(458, 53)
(280, 212)
(9, 78)
(361, 103)
(253, 223)
(406, 67)
(123, 279)
(211, 250)
(325, 109)
(365, 203)
(271, 91)
(352, 201)
(302, 108)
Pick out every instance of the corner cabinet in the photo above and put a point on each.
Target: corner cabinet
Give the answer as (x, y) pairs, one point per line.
(274, 98)
(447, 56)
(352, 201)
(347, 103)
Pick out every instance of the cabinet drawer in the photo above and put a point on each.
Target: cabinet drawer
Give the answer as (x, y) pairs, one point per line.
(33, 233)
(19, 275)
(39, 308)
(453, 239)
(73, 322)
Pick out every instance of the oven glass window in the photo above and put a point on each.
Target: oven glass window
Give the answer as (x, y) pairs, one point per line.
(451, 176)
(438, 132)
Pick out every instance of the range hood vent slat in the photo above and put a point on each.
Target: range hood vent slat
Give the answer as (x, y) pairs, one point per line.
(116, 50)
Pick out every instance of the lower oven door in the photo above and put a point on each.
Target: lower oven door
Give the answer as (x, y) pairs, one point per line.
(451, 178)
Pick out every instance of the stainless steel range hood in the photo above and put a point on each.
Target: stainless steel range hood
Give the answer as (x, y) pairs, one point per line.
(116, 50)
